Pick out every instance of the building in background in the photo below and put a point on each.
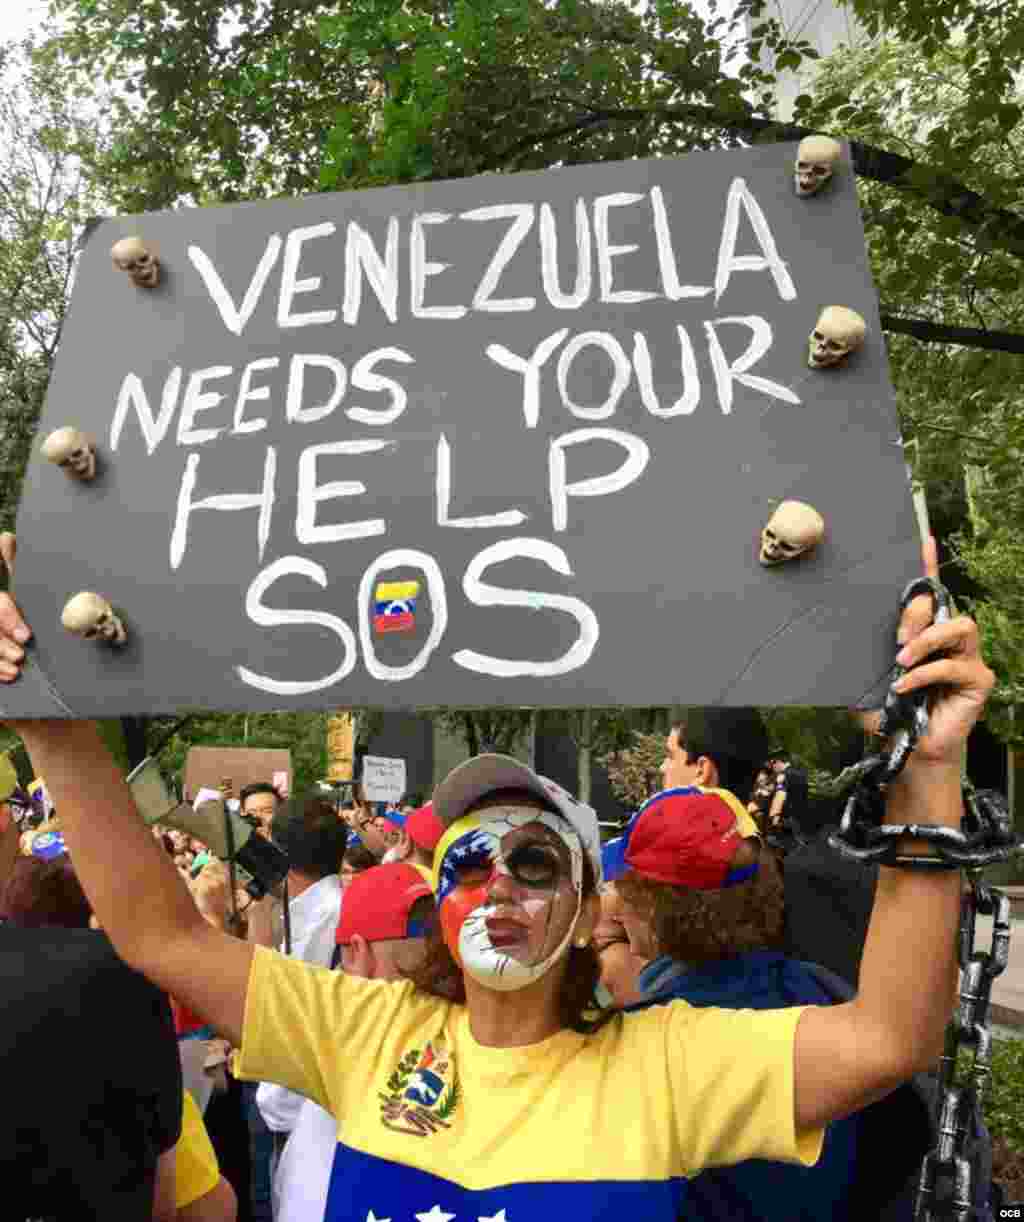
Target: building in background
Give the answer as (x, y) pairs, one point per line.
(825, 25)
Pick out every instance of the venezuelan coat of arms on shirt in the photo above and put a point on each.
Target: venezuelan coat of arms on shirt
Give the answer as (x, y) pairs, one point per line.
(422, 1092)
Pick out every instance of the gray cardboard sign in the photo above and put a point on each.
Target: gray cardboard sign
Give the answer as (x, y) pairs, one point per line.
(563, 403)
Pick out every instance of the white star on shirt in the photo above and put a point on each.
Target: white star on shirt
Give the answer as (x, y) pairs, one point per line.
(372, 1217)
(437, 1214)
(498, 1217)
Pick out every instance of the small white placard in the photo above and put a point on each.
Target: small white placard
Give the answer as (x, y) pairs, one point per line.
(383, 779)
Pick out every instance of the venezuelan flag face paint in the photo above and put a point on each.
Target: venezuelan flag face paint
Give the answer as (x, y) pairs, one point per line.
(508, 886)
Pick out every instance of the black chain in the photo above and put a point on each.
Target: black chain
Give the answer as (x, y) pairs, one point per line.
(945, 1187)
(986, 834)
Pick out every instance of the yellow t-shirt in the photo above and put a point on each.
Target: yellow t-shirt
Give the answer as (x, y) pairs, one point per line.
(598, 1128)
(196, 1170)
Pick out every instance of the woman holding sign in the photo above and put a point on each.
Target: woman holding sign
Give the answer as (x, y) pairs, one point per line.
(504, 1104)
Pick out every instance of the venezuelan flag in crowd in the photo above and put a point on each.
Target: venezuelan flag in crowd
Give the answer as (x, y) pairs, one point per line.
(395, 606)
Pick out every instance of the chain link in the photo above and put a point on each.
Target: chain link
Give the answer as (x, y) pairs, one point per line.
(986, 834)
(959, 1100)
(946, 1184)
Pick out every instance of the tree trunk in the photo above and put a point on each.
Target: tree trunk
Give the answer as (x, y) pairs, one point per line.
(472, 738)
(584, 755)
(135, 739)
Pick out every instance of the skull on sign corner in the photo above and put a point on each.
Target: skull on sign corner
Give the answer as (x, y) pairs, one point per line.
(838, 332)
(91, 617)
(816, 161)
(793, 529)
(72, 451)
(133, 256)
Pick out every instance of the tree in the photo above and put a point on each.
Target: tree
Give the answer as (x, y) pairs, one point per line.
(959, 407)
(45, 200)
(595, 731)
(634, 769)
(303, 93)
(496, 729)
(304, 734)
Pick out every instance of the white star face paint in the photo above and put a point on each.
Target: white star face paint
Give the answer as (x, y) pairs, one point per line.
(509, 892)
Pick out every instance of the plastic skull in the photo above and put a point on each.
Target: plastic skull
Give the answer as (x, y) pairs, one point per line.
(73, 451)
(133, 256)
(816, 161)
(836, 334)
(794, 528)
(90, 616)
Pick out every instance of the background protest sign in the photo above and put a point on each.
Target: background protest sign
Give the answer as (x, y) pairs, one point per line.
(503, 440)
(207, 767)
(383, 779)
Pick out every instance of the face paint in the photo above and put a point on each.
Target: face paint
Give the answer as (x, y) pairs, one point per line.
(470, 860)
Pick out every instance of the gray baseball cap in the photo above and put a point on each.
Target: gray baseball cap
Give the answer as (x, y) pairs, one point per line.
(483, 774)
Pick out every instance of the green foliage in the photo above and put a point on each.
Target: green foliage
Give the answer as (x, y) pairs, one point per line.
(633, 771)
(304, 734)
(988, 42)
(261, 100)
(821, 739)
(1003, 1105)
(44, 203)
(960, 411)
(112, 734)
(500, 730)
(214, 103)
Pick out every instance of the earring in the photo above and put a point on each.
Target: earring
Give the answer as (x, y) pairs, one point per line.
(581, 942)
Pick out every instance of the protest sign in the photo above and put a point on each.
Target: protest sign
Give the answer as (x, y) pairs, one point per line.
(383, 779)
(207, 767)
(508, 440)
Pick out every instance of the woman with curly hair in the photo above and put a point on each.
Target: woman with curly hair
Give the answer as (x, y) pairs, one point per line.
(705, 908)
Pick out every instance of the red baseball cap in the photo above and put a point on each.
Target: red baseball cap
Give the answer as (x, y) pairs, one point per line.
(377, 904)
(684, 837)
(424, 827)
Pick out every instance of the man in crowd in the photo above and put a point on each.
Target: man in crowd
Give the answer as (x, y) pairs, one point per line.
(308, 830)
(695, 762)
(412, 838)
(89, 1119)
(711, 759)
(379, 935)
(259, 802)
(357, 859)
(789, 801)
(371, 828)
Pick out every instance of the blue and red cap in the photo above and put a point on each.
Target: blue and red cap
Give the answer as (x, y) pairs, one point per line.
(686, 837)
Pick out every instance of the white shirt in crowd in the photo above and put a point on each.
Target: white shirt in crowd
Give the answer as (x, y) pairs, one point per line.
(303, 1173)
(314, 918)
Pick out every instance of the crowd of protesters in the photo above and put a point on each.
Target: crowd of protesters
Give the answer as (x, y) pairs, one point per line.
(475, 1009)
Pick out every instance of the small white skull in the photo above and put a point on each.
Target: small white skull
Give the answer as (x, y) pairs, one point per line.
(72, 451)
(133, 256)
(816, 161)
(794, 528)
(90, 616)
(836, 334)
